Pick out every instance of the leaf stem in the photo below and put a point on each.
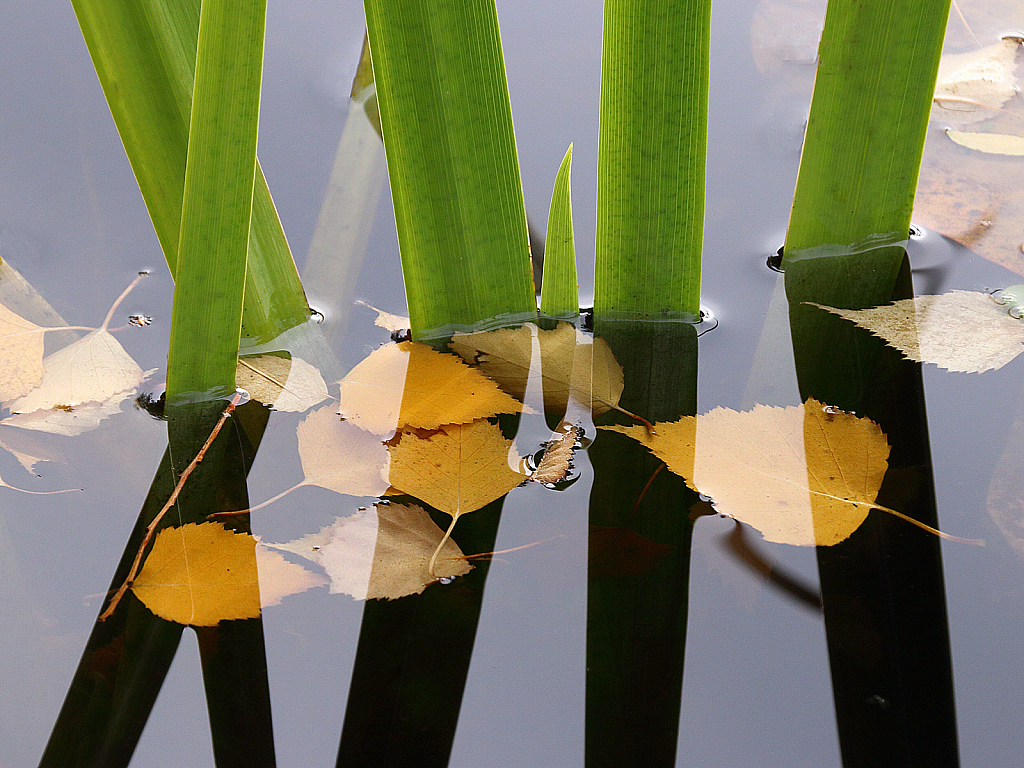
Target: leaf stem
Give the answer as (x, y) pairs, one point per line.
(444, 539)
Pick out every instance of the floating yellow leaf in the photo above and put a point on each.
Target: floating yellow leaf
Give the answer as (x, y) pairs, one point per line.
(993, 143)
(200, 575)
(805, 475)
(288, 384)
(21, 355)
(572, 365)
(381, 552)
(457, 469)
(961, 330)
(412, 385)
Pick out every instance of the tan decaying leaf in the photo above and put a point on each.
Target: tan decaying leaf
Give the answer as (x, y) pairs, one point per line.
(572, 365)
(457, 469)
(387, 320)
(199, 575)
(279, 577)
(68, 421)
(381, 552)
(963, 331)
(21, 355)
(557, 459)
(288, 384)
(339, 456)
(805, 475)
(967, 83)
(93, 369)
(993, 143)
(412, 385)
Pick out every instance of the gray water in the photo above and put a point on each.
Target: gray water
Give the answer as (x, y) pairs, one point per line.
(756, 687)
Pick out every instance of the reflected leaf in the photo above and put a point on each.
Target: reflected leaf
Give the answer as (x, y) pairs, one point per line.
(199, 575)
(287, 384)
(21, 355)
(412, 385)
(457, 469)
(962, 331)
(573, 365)
(339, 456)
(805, 475)
(279, 577)
(381, 552)
(67, 420)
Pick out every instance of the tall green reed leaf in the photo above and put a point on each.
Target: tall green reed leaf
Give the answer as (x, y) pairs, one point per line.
(144, 52)
(651, 156)
(452, 163)
(559, 295)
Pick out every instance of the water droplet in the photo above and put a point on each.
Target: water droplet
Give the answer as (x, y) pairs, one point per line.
(916, 233)
(243, 396)
(445, 580)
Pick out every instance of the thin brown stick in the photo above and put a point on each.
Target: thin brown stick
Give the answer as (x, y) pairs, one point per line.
(151, 528)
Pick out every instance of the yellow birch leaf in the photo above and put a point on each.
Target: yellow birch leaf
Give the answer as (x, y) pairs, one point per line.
(457, 469)
(572, 365)
(381, 552)
(287, 384)
(199, 575)
(21, 355)
(412, 385)
(805, 475)
(963, 331)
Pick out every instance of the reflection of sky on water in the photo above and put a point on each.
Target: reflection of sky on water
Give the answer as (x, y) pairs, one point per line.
(756, 689)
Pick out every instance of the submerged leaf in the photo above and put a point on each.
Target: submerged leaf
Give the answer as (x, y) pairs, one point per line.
(458, 469)
(386, 320)
(93, 369)
(199, 575)
(968, 83)
(381, 552)
(21, 355)
(280, 578)
(412, 385)
(993, 143)
(339, 456)
(805, 475)
(572, 365)
(962, 331)
(288, 384)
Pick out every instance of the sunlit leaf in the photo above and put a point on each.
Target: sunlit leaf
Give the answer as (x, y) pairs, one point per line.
(288, 384)
(805, 475)
(412, 385)
(993, 143)
(572, 365)
(961, 330)
(457, 469)
(21, 355)
(381, 552)
(200, 575)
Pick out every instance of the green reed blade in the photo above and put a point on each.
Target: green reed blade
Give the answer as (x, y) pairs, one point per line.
(559, 295)
(651, 155)
(458, 200)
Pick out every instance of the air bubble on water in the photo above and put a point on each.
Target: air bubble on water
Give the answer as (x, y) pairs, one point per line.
(243, 396)
(446, 580)
(916, 232)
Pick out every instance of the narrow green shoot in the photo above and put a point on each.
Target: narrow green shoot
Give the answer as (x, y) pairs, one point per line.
(559, 296)
(218, 199)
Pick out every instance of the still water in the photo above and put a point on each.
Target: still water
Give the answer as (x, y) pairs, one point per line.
(756, 686)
